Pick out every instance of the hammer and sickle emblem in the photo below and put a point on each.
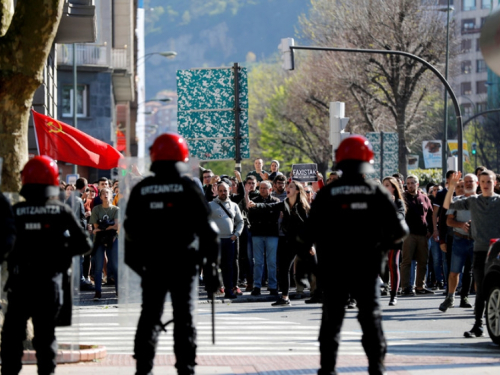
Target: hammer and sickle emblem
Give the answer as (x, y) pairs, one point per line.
(55, 128)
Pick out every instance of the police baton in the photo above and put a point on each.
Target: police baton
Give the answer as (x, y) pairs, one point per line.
(213, 318)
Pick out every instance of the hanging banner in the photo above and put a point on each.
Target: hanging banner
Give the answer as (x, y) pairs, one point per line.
(413, 161)
(432, 154)
(453, 147)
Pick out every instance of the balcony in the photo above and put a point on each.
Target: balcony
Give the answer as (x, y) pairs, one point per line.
(120, 59)
(86, 55)
(470, 30)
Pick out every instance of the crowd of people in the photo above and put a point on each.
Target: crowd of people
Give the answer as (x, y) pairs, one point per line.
(260, 215)
(272, 236)
(96, 208)
(259, 219)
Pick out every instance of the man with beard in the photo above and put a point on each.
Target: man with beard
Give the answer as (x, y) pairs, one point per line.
(419, 220)
(227, 216)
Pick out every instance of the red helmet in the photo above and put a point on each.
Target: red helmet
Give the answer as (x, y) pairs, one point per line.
(355, 148)
(40, 170)
(169, 146)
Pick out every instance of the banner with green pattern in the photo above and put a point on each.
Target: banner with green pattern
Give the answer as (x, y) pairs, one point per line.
(206, 116)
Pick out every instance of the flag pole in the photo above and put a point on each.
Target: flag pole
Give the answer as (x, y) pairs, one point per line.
(36, 135)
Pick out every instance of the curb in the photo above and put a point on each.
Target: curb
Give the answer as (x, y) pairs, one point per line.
(86, 353)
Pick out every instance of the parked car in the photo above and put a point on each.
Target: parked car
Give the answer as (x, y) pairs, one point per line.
(491, 287)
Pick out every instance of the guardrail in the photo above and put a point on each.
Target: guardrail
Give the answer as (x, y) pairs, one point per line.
(86, 54)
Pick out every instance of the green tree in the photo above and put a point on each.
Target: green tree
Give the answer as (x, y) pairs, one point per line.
(24, 48)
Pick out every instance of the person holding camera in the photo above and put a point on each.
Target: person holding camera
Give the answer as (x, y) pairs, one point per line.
(104, 219)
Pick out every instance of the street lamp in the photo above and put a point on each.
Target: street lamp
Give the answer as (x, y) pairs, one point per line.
(141, 95)
(168, 54)
(163, 100)
(444, 156)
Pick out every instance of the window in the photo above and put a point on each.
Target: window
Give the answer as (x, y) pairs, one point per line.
(481, 87)
(481, 107)
(466, 45)
(81, 101)
(465, 88)
(467, 110)
(469, 4)
(485, 4)
(468, 25)
(480, 66)
(466, 67)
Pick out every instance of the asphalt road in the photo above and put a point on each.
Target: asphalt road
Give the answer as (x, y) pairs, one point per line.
(414, 327)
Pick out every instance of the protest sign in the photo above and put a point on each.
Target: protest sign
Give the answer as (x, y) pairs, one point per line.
(305, 172)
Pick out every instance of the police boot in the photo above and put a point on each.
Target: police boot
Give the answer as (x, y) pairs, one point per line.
(376, 367)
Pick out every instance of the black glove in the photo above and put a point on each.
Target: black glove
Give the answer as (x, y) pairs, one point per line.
(212, 278)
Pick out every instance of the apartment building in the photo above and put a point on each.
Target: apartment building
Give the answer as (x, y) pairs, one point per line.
(471, 82)
(105, 78)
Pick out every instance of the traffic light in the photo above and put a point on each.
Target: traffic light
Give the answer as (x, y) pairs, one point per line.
(287, 62)
(474, 148)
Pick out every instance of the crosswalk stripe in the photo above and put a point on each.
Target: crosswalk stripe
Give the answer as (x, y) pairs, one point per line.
(235, 334)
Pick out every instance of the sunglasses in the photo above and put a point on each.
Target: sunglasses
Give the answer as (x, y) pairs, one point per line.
(308, 191)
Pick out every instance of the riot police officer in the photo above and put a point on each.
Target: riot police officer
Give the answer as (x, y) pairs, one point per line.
(364, 216)
(7, 227)
(163, 215)
(48, 236)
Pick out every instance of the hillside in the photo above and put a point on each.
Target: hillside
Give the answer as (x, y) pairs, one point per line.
(214, 33)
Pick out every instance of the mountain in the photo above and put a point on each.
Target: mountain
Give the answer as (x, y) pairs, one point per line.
(214, 33)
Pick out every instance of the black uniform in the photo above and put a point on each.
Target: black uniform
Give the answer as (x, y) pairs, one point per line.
(353, 222)
(163, 215)
(48, 236)
(7, 227)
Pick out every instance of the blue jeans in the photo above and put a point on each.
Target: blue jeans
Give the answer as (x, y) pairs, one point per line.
(249, 253)
(413, 270)
(265, 246)
(462, 249)
(112, 266)
(440, 266)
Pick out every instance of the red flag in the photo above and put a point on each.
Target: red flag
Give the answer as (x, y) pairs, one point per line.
(63, 142)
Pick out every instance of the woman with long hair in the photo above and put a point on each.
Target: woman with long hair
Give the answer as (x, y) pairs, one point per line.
(392, 185)
(295, 209)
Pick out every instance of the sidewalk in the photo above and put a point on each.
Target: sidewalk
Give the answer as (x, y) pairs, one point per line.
(291, 365)
(109, 297)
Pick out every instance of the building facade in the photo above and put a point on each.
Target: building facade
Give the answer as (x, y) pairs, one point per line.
(104, 80)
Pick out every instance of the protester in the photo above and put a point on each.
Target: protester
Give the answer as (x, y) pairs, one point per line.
(485, 214)
(259, 173)
(227, 216)
(275, 166)
(463, 244)
(392, 185)
(264, 228)
(105, 219)
(295, 209)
